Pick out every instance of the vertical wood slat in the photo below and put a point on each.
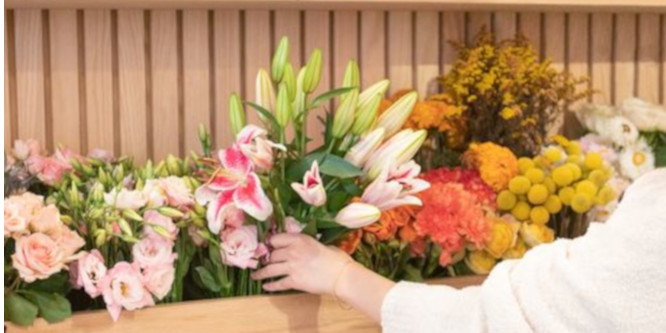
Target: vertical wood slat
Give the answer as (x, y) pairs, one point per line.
(132, 84)
(624, 52)
(453, 30)
(196, 76)
(577, 61)
(317, 35)
(530, 27)
(65, 78)
(288, 23)
(426, 53)
(504, 25)
(8, 96)
(257, 41)
(30, 74)
(400, 50)
(554, 46)
(164, 71)
(647, 86)
(227, 69)
(477, 21)
(601, 49)
(662, 98)
(373, 47)
(345, 42)
(99, 79)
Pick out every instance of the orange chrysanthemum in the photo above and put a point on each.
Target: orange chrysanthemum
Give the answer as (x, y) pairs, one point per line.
(390, 221)
(349, 243)
(496, 164)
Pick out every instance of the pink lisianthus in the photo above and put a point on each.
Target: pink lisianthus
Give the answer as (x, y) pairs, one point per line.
(312, 189)
(154, 193)
(123, 287)
(159, 279)
(177, 193)
(87, 272)
(66, 155)
(292, 225)
(193, 231)
(240, 247)
(37, 256)
(153, 251)
(125, 199)
(49, 170)
(154, 218)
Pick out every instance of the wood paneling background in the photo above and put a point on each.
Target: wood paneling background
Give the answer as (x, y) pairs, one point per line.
(139, 82)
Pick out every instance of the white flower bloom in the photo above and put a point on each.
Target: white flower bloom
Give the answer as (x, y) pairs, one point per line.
(636, 160)
(646, 116)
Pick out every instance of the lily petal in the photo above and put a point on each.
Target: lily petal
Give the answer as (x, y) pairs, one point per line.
(204, 194)
(215, 210)
(235, 161)
(249, 133)
(250, 197)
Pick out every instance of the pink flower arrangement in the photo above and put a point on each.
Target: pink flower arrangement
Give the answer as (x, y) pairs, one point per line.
(240, 247)
(123, 287)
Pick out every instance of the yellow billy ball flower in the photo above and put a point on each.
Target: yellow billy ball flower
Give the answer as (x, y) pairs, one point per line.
(524, 164)
(563, 176)
(566, 194)
(539, 215)
(598, 177)
(574, 148)
(550, 185)
(575, 169)
(576, 159)
(519, 185)
(593, 161)
(581, 202)
(537, 194)
(480, 262)
(541, 162)
(606, 194)
(587, 187)
(553, 204)
(553, 154)
(506, 200)
(535, 175)
(521, 211)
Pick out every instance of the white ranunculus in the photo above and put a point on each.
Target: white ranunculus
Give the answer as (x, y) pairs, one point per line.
(646, 116)
(636, 160)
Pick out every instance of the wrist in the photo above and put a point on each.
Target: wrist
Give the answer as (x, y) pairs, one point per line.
(345, 281)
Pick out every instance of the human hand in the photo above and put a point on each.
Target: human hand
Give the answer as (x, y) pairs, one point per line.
(304, 263)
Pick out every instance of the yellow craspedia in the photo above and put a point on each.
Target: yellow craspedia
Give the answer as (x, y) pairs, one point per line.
(587, 187)
(581, 202)
(553, 154)
(553, 204)
(574, 148)
(524, 164)
(566, 194)
(506, 200)
(562, 175)
(561, 140)
(576, 159)
(593, 161)
(539, 215)
(598, 177)
(519, 185)
(521, 211)
(502, 237)
(575, 170)
(550, 185)
(541, 162)
(606, 194)
(480, 262)
(535, 175)
(537, 194)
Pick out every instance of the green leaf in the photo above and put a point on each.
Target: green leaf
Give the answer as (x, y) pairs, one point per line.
(19, 310)
(53, 307)
(325, 97)
(207, 279)
(351, 188)
(56, 283)
(265, 113)
(329, 236)
(660, 156)
(327, 224)
(337, 200)
(412, 273)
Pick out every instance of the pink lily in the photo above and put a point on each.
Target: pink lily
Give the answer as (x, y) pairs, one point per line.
(395, 187)
(235, 183)
(312, 189)
(254, 144)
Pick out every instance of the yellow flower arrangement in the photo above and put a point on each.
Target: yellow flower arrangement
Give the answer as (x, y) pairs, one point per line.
(503, 237)
(496, 164)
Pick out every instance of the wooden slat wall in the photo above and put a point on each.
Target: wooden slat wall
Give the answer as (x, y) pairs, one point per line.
(140, 82)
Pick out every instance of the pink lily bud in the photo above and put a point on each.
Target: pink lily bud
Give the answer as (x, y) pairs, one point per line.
(312, 189)
(358, 215)
(360, 152)
(397, 150)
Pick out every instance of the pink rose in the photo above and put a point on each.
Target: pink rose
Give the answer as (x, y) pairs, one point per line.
(154, 218)
(159, 279)
(69, 241)
(47, 221)
(26, 148)
(122, 287)
(101, 154)
(239, 247)
(153, 251)
(14, 223)
(177, 192)
(292, 226)
(37, 256)
(88, 271)
(28, 204)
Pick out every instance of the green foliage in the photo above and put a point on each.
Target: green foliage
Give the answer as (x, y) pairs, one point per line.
(19, 310)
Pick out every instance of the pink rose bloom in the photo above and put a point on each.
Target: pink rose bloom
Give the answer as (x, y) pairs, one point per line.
(193, 231)
(69, 241)
(37, 256)
(122, 287)
(153, 251)
(152, 217)
(178, 194)
(87, 272)
(159, 279)
(125, 199)
(24, 149)
(14, 223)
(28, 204)
(292, 226)
(239, 247)
(47, 221)
(101, 154)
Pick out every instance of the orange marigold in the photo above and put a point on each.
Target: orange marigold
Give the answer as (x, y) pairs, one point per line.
(496, 164)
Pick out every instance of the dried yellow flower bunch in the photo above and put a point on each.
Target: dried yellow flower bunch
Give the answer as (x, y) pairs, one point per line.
(507, 94)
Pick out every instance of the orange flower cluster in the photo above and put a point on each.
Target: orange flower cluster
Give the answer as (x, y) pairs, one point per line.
(496, 164)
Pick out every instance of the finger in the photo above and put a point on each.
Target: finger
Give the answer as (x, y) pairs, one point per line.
(271, 271)
(279, 285)
(283, 240)
(280, 255)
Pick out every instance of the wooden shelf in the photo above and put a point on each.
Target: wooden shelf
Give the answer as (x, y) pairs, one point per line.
(267, 314)
(537, 5)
